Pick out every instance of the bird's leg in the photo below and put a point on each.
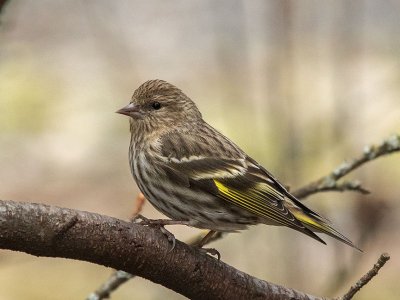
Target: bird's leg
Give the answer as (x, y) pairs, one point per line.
(160, 223)
(205, 240)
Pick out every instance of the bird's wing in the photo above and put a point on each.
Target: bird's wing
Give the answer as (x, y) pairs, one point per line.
(215, 164)
(231, 175)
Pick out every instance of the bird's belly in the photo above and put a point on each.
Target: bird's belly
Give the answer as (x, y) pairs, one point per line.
(178, 202)
(202, 210)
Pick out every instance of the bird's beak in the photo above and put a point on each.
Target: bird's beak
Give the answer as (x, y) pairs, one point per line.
(127, 110)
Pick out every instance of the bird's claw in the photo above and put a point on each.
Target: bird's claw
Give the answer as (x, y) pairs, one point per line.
(170, 237)
(139, 219)
(212, 251)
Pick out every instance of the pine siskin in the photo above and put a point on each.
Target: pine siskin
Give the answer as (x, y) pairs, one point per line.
(196, 176)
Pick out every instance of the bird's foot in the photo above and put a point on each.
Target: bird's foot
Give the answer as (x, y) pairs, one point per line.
(170, 236)
(160, 223)
(208, 237)
(138, 217)
(157, 222)
(212, 251)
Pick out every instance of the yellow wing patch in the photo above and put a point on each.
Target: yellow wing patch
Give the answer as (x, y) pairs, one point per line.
(256, 200)
(311, 222)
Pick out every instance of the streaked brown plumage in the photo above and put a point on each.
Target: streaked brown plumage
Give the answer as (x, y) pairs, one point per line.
(191, 172)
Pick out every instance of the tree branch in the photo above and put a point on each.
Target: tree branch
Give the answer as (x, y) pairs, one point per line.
(51, 231)
(329, 182)
(118, 278)
(366, 278)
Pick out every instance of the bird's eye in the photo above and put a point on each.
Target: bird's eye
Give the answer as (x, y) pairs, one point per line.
(156, 105)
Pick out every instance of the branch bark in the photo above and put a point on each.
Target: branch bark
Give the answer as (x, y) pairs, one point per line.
(51, 231)
(118, 278)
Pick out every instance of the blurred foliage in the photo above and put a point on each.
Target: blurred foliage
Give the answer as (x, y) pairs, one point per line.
(25, 106)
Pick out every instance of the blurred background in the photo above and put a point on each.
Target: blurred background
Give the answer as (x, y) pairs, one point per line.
(299, 85)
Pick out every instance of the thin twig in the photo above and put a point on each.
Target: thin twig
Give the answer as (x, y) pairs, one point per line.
(112, 283)
(342, 187)
(140, 200)
(367, 277)
(329, 182)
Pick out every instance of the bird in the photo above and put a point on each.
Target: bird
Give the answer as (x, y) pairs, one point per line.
(196, 176)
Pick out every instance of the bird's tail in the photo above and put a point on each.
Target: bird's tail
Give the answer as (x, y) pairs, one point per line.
(318, 224)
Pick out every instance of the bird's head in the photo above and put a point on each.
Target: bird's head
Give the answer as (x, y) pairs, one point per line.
(157, 104)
